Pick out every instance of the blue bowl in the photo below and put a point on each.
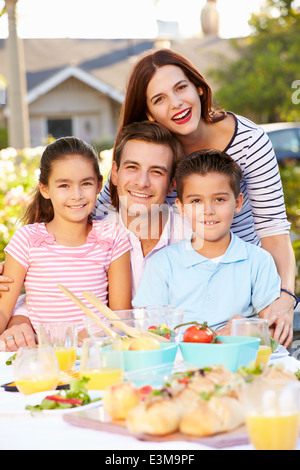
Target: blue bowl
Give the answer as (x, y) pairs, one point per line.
(234, 352)
(156, 376)
(134, 360)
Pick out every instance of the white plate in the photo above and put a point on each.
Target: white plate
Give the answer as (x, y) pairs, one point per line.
(15, 403)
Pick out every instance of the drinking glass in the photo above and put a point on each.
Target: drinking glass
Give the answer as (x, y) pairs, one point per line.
(36, 370)
(101, 362)
(259, 328)
(272, 414)
(62, 336)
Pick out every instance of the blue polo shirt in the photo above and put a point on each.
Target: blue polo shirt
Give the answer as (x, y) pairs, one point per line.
(244, 282)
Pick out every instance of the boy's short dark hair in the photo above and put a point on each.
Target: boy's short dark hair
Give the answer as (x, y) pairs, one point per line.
(203, 162)
(146, 131)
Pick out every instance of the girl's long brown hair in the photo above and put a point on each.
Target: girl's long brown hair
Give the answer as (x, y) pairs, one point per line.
(41, 209)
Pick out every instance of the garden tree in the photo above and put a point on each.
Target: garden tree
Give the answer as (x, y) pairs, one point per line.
(260, 83)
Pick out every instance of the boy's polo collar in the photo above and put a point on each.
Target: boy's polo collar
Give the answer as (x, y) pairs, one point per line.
(235, 252)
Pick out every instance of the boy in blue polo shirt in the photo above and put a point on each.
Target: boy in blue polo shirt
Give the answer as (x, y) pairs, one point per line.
(215, 275)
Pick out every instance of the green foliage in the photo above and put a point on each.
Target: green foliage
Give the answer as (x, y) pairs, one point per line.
(3, 138)
(259, 84)
(19, 175)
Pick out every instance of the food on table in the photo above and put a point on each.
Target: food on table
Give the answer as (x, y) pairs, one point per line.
(274, 372)
(11, 359)
(198, 402)
(157, 417)
(144, 391)
(75, 397)
(126, 341)
(198, 333)
(119, 399)
(162, 411)
(212, 416)
(144, 344)
(162, 330)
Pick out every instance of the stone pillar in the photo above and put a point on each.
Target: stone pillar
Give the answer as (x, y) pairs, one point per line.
(18, 119)
(210, 19)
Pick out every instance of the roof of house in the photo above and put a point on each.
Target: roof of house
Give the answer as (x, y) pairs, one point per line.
(104, 64)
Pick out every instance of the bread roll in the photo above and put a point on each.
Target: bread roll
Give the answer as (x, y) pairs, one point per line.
(156, 418)
(208, 417)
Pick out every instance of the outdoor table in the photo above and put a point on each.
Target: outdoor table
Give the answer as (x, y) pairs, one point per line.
(46, 432)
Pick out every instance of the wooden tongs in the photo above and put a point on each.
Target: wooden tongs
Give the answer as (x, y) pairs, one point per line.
(88, 312)
(117, 321)
(108, 313)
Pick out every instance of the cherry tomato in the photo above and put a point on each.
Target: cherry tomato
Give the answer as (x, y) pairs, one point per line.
(144, 391)
(184, 380)
(198, 334)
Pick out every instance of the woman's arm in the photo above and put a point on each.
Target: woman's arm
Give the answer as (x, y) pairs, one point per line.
(4, 280)
(9, 298)
(119, 283)
(281, 314)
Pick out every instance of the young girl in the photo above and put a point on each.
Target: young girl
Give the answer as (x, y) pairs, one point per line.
(61, 245)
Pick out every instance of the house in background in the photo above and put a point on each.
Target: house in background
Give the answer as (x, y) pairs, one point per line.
(77, 86)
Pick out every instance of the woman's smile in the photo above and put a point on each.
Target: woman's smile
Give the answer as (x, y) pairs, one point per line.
(183, 116)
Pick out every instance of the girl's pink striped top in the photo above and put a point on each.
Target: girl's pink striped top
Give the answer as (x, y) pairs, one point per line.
(78, 268)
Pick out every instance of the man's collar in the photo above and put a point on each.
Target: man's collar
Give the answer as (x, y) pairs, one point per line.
(165, 235)
(235, 252)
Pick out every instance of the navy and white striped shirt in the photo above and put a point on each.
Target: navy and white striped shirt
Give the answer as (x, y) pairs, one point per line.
(263, 213)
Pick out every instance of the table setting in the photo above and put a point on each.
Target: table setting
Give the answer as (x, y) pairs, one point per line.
(141, 381)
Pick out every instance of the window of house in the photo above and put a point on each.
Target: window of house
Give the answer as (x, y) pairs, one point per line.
(59, 127)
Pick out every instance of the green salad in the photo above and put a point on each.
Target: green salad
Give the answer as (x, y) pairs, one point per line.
(75, 397)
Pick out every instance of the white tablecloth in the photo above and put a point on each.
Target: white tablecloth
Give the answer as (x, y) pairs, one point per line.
(19, 432)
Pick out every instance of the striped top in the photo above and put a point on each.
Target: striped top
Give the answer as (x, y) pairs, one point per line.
(263, 213)
(80, 269)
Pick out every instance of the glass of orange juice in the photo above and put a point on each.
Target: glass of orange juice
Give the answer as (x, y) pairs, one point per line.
(272, 414)
(63, 338)
(36, 370)
(259, 328)
(101, 362)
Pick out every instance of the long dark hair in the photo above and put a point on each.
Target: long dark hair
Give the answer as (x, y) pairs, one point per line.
(41, 209)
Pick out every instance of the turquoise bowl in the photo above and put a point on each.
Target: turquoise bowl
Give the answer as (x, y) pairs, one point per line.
(234, 352)
(134, 360)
